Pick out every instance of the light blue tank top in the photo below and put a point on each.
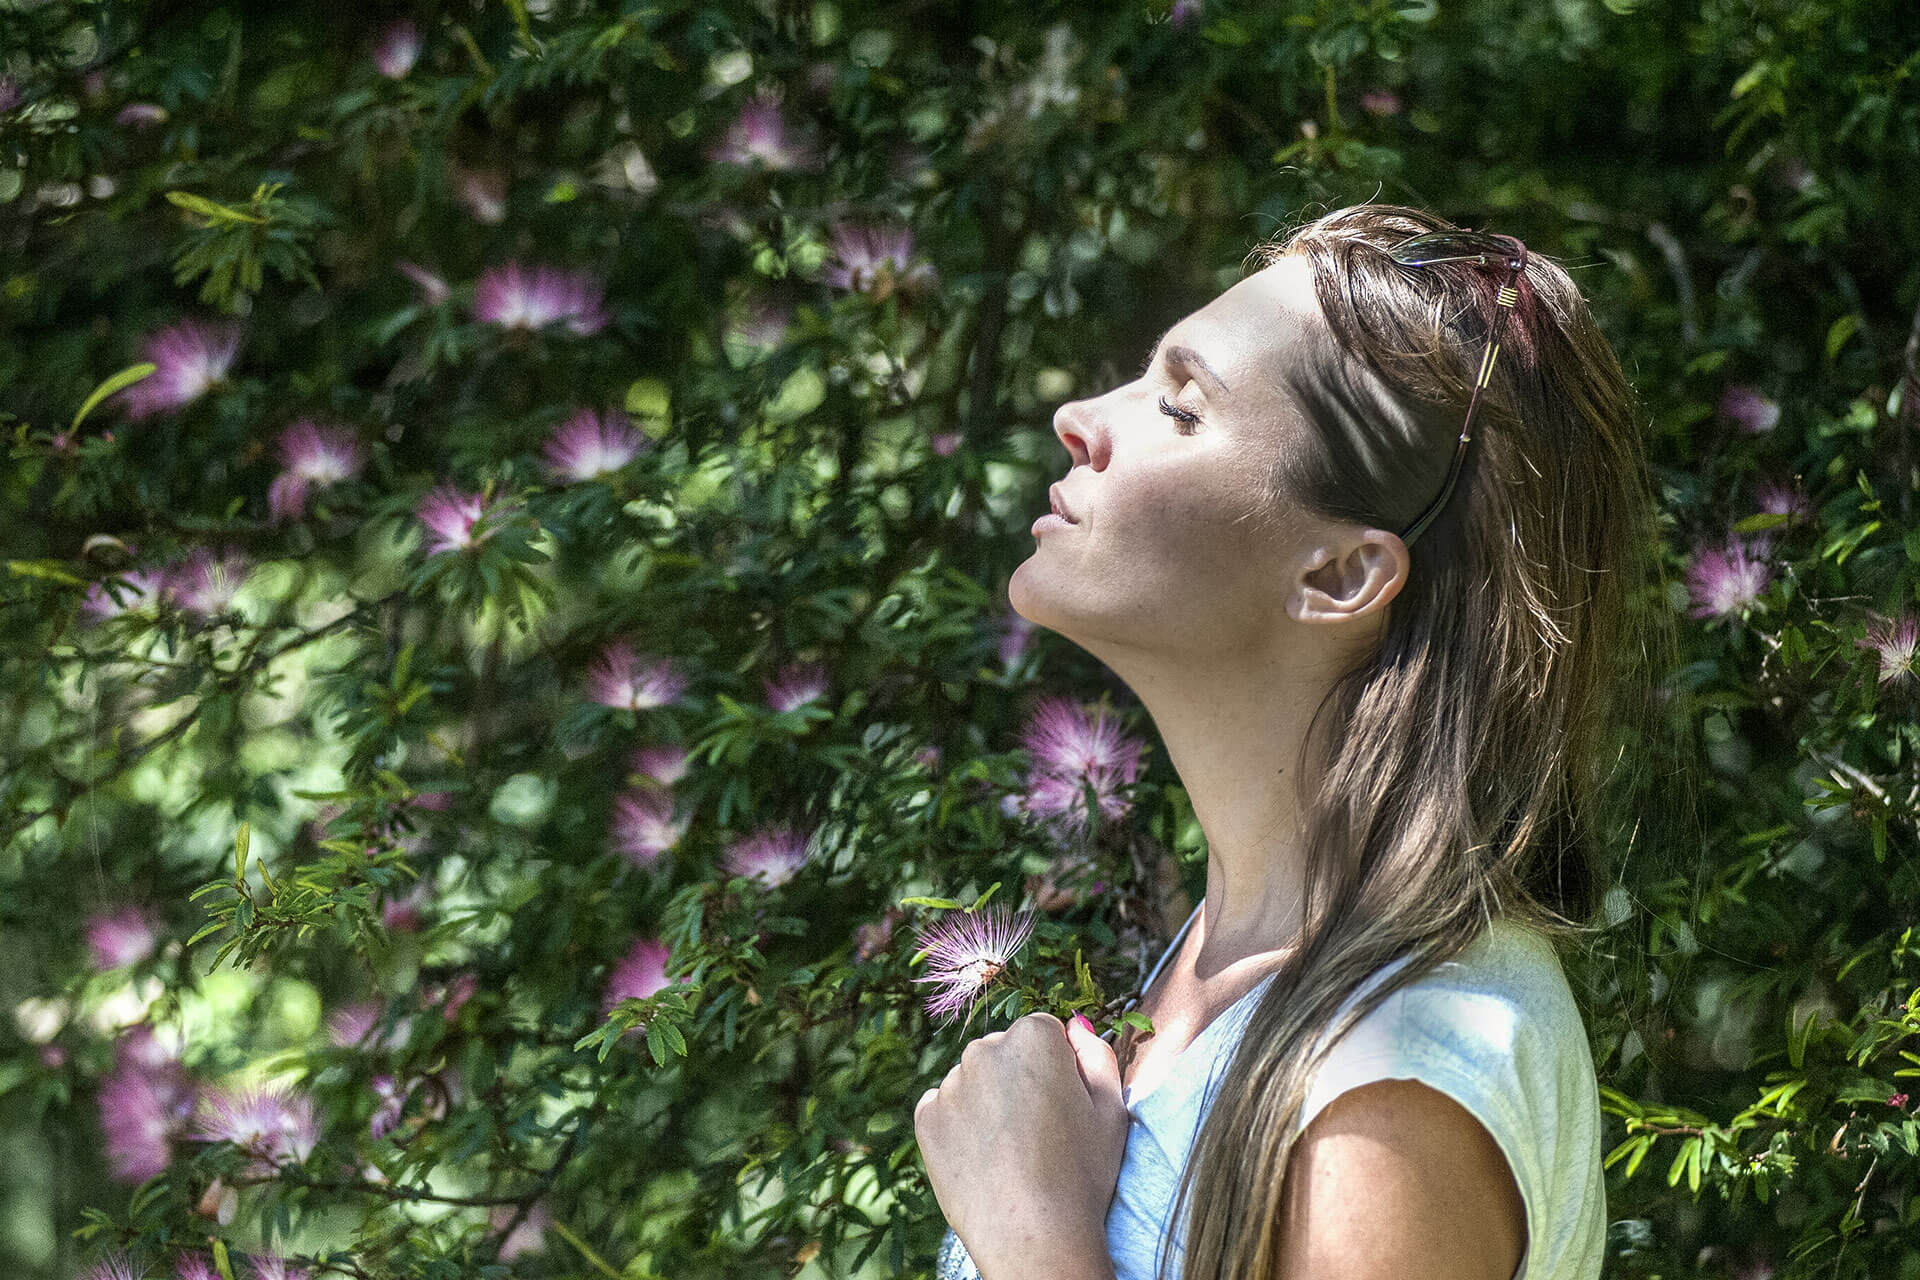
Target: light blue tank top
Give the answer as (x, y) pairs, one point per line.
(1495, 1028)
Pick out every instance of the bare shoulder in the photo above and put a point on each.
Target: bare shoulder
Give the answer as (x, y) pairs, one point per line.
(1394, 1178)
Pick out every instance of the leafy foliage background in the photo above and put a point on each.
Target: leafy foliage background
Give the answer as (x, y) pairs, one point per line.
(840, 470)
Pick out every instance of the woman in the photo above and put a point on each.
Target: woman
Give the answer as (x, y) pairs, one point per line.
(1366, 1060)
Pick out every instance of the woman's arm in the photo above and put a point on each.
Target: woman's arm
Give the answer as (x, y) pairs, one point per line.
(1396, 1179)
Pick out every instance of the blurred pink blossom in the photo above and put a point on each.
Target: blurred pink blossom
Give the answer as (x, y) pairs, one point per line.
(139, 115)
(114, 1265)
(191, 357)
(639, 974)
(528, 1235)
(761, 136)
(644, 827)
(517, 297)
(270, 1122)
(1745, 405)
(450, 514)
(796, 685)
(619, 678)
(433, 289)
(207, 581)
(1726, 579)
(590, 445)
(1778, 498)
(315, 457)
(664, 763)
(1380, 102)
(144, 589)
(398, 49)
(875, 260)
(771, 856)
(483, 192)
(123, 936)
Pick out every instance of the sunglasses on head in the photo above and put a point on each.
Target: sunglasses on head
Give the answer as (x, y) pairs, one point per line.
(1465, 246)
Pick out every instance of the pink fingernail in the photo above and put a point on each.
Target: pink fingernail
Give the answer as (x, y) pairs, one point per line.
(1081, 1018)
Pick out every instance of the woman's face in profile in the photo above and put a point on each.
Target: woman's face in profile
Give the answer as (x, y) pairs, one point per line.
(1172, 548)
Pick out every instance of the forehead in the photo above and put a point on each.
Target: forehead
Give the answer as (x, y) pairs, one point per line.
(1256, 332)
(1278, 298)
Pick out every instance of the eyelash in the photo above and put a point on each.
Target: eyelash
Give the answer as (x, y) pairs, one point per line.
(1188, 419)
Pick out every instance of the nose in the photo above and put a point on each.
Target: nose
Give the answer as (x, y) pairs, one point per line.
(1079, 430)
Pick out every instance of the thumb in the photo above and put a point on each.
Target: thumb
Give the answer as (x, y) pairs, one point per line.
(1099, 1067)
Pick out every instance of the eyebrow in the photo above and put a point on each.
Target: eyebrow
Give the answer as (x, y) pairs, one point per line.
(1186, 356)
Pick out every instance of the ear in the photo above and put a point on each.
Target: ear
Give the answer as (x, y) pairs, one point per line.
(1352, 578)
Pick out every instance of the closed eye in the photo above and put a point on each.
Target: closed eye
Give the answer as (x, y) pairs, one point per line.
(1187, 419)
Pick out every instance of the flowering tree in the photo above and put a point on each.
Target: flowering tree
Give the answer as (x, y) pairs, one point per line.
(516, 759)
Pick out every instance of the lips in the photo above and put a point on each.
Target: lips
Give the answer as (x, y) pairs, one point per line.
(1060, 507)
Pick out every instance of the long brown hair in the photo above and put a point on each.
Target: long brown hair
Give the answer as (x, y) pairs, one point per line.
(1463, 769)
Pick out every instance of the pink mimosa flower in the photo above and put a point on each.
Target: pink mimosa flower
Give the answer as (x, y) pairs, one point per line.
(618, 678)
(352, 1024)
(114, 1266)
(190, 357)
(760, 135)
(483, 192)
(143, 590)
(393, 1101)
(315, 457)
(771, 856)
(760, 325)
(874, 260)
(207, 582)
(590, 445)
(142, 1112)
(433, 289)
(876, 936)
(1754, 412)
(1777, 498)
(450, 514)
(1380, 102)
(524, 1238)
(945, 443)
(641, 972)
(1071, 749)
(966, 952)
(665, 764)
(796, 685)
(195, 1266)
(271, 1122)
(399, 47)
(643, 826)
(403, 913)
(1184, 13)
(450, 995)
(517, 297)
(140, 115)
(1894, 642)
(271, 1266)
(1726, 580)
(121, 937)
(1015, 631)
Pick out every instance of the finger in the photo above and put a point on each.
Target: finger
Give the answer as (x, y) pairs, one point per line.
(1099, 1065)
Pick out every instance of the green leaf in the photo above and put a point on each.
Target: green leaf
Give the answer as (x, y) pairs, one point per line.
(49, 570)
(944, 904)
(209, 209)
(125, 378)
(240, 841)
(981, 901)
(221, 1261)
(1838, 333)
